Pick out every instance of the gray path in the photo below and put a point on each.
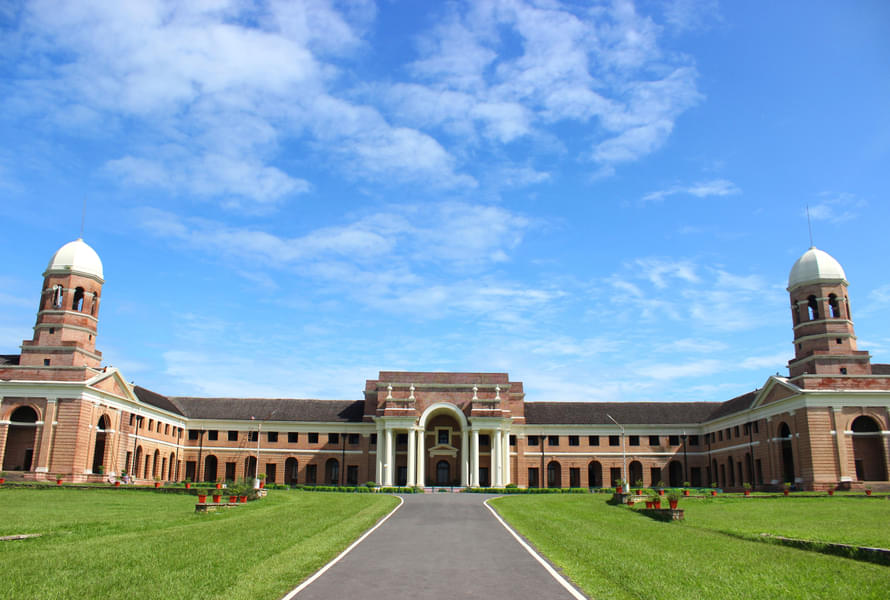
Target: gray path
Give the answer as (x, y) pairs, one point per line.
(438, 546)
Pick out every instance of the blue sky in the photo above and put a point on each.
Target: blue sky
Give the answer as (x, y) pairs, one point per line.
(603, 200)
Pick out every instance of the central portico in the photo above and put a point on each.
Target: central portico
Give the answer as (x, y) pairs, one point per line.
(443, 428)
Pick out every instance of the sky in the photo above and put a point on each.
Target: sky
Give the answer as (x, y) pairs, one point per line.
(603, 200)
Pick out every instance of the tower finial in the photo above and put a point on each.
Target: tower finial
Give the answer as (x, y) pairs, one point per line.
(810, 226)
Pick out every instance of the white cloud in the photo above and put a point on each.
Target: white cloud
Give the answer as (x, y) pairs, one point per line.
(704, 189)
(835, 208)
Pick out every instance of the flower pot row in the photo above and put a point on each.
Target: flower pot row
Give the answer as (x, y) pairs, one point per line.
(217, 499)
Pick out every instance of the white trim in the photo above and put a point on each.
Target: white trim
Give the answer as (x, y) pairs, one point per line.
(343, 554)
(553, 573)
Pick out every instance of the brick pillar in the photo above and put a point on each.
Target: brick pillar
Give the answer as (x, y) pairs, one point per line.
(46, 439)
(840, 444)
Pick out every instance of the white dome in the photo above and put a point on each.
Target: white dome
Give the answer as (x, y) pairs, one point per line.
(815, 265)
(76, 257)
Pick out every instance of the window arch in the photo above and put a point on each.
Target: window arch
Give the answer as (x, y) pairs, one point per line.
(24, 414)
(77, 302)
(95, 304)
(594, 474)
(868, 449)
(833, 306)
(332, 471)
(554, 474)
(812, 308)
(787, 453)
(58, 295)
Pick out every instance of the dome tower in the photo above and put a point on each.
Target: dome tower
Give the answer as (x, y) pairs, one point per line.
(824, 339)
(67, 317)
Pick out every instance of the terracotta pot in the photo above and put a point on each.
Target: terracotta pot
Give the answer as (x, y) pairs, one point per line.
(713, 492)
(262, 484)
(785, 492)
(157, 484)
(673, 504)
(217, 498)
(657, 503)
(219, 486)
(243, 499)
(117, 484)
(188, 486)
(2, 480)
(685, 492)
(831, 492)
(868, 492)
(58, 482)
(649, 504)
(661, 492)
(747, 492)
(202, 498)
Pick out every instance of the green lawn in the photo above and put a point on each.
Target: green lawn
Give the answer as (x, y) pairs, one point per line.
(127, 544)
(615, 552)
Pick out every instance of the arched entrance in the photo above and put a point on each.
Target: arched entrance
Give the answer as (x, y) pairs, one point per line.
(155, 464)
(291, 471)
(250, 467)
(635, 470)
(594, 474)
(210, 467)
(443, 473)
(868, 450)
(332, 472)
(787, 453)
(171, 471)
(675, 473)
(554, 474)
(444, 439)
(20, 439)
(137, 462)
(99, 446)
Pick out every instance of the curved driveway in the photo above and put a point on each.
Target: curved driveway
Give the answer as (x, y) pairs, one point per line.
(438, 546)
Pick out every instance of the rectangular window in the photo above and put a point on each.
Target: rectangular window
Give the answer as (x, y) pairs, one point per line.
(755, 427)
(720, 436)
(614, 440)
(512, 440)
(484, 440)
(253, 436)
(633, 440)
(193, 434)
(312, 471)
(693, 440)
(574, 477)
(313, 437)
(746, 429)
(553, 440)
(593, 440)
(674, 440)
(190, 469)
(230, 471)
(213, 435)
(533, 477)
(353, 439)
(373, 439)
(271, 469)
(167, 429)
(272, 437)
(132, 419)
(655, 476)
(444, 437)
(151, 423)
(533, 440)
(333, 438)
(293, 437)
(352, 475)
(233, 436)
(574, 441)
(402, 439)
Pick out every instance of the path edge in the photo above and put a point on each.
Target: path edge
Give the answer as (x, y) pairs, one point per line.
(343, 554)
(571, 589)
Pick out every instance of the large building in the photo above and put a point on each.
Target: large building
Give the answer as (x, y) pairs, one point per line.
(823, 426)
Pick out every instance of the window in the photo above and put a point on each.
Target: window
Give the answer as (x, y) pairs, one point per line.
(45, 362)
(843, 370)
(573, 440)
(373, 439)
(253, 436)
(720, 436)
(353, 440)
(333, 438)
(746, 429)
(213, 435)
(593, 440)
(553, 440)
(132, 418)
(352, 475)
(443, 437)
(634, 440)
(233, 436)
(755, 427)
(735, 431)
(614, 440)
(167, 429)
(151, 423)
(512, 440)
(402, 439)
(693, 440)
(272, 437)
(293, 437)
(654, 440)
(728, 433)
(812, 308)
(484, 440)
(58, 294)
(77, 303)
(674, 440)
(52, 330)
(193, 434)
(313, 438)
(533, 440)
(312, 471)
(833, 307)
(533, 477)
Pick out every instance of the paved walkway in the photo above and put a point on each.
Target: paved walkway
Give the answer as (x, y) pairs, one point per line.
(438, 546)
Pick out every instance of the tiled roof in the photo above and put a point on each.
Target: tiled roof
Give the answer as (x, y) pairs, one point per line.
(272, 409)
(734, 405)
(880, 369)
(157, 400)
(626, 413)
(9, 359)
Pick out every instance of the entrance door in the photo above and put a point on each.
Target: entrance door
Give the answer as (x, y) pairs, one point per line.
(483, 477)
(402, 476)
(443, 473)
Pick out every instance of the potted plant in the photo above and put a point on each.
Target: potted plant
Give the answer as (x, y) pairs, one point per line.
(219, 485)
(217, 497)
(713, 488)
(262, 478)
(831, 491)
(786, 488)
(619, 486)
(58, 480)
(673, 499)
(660, 485)
(686, 485)
(157, 482)
(188, 484)
(2, 477)
(639, 484)
(202, 498)
(868, 491)
(747, 487)
(100, 469)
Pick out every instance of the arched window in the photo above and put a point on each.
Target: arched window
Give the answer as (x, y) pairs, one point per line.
(24, 414)
(833, 306)
(95, 304)
(210, 466)
(58, 295)
(868, 450)
(103, 423)
(594, 474)
(787, 453)
(291, 471)
(635, 469)
(554, 475)
(813, 308)
(77, 302)
(332, 471)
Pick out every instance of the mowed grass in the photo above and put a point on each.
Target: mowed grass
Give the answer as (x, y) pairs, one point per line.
(128, 544)
(615, 552)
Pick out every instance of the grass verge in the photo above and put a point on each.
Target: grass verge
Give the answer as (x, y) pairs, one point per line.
(613, 552)
(116, 543)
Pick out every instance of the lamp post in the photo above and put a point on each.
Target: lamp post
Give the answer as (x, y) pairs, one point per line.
(623, 450)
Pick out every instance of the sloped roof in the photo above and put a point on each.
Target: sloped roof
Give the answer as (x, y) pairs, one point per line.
(157, 400)
(880, 369)
(271, 409)
(626, 413)
(734, 405)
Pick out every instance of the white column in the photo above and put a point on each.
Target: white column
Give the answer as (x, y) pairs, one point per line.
(474, 460)
(388, 465)
(506, 446)
(412, 455)
(464, 458)
(378, 454)
(421, 458)
(497, 459)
